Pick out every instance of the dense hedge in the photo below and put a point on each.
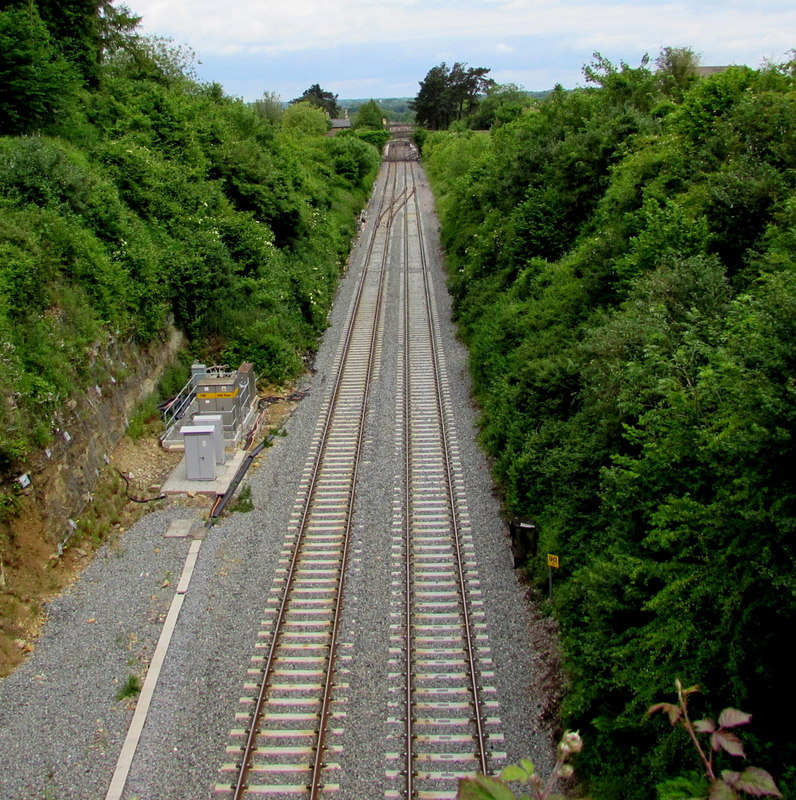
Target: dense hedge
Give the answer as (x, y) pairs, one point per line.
(624, 274)
(151, 198)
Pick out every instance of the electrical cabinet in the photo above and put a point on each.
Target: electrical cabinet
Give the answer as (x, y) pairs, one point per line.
(200, 453)
(217, 421)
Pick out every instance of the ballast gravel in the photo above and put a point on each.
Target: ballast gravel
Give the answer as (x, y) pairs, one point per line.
(61, 725)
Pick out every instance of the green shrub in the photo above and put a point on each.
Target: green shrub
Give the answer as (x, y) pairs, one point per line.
(377, 138)
(145, 419)
(243, 503)
(624, 281)
(353, 157)
(171, 201)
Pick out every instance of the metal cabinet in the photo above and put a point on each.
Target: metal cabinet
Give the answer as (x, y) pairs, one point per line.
(200, 452)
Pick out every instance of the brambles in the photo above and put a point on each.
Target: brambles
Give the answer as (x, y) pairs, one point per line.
(724, 785)
(485, 787)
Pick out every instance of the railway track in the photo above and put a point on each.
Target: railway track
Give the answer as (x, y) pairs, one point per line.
(292, 720)
(447, 712)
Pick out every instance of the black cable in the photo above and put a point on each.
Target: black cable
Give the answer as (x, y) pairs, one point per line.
(137, 499)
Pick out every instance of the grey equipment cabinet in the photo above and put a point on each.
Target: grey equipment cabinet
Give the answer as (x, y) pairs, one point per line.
(200, 452)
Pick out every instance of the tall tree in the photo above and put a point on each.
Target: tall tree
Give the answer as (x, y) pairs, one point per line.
(269, 107)
(502, 103)
(677, 70)
(117, 26)
(465, 86)
(83, 30)
(75, 26)
(320, 98)
(36, 83)
(306, 118)
(432, 106)
(448, 94)
(370, 116)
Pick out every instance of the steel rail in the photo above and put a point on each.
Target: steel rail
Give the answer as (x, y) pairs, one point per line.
(267, 670)
(408, 766)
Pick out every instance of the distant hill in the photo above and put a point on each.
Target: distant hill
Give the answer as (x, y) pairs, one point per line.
(396, 108)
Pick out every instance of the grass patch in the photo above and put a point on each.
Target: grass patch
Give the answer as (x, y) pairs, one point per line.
(106, 510)
(243, 502)
(130, 688)
(145, 420)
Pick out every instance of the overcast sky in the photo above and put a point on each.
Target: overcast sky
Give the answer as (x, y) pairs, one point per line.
(383, 48)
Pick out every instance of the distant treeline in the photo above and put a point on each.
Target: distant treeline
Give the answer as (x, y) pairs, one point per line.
(400, 109)
(395, 109)
(623, 263)
(131, 195)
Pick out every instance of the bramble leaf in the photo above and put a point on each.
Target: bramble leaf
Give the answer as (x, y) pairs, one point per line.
(513, 773)
(704, 726)
(721, 791)
(729, 742)
(729, 777)
(528, 766)
(757, 782)
(674, 712)
(483, 787)
(691, 689)
(732, 717)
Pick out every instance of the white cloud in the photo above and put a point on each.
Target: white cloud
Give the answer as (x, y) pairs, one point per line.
(534, 34)
(270, 27)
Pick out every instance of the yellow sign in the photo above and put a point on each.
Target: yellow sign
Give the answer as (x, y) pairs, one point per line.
(552, 561)
(211, 395)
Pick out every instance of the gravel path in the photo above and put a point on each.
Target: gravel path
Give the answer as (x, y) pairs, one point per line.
(61, 726)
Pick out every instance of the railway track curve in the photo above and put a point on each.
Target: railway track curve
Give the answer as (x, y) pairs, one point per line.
(291, 726)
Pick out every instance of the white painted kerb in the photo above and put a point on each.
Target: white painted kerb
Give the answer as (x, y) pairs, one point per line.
(153, 673)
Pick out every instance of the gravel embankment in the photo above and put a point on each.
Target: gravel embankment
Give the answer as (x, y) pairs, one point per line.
(61, 727)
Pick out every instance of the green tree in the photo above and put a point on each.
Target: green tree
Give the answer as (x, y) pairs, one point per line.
(502, 103)
(321, 98)
(75, 26)
(270, 107)
(677, 70)
(36, 84)
(466, 86)
(117, 25)
(626, 84)
(432, 105)
(448, 94)
(369, 117)
(306, 118)
(623, 274)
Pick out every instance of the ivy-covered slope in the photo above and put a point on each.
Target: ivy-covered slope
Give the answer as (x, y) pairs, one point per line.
(141, 197)
(623, 266)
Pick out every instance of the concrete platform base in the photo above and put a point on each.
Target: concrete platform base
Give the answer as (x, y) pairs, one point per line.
(186, 528)
(177, 483)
